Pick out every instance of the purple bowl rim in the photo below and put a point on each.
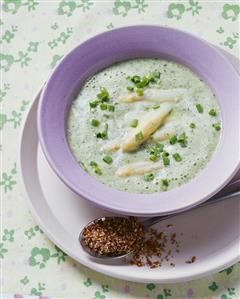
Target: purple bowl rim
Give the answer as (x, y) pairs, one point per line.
(85, 196)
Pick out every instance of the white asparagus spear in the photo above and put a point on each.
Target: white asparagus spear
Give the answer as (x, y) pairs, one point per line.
(162, 135)
(148, 124)
(154, 95)
(138, 168)
(112, 146)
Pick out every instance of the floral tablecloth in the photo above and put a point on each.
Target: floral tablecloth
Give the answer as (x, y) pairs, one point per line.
(35, 34)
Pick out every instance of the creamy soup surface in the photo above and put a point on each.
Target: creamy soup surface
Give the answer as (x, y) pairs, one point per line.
(144, 125)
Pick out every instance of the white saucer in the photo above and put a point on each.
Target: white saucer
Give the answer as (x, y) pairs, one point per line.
(211, 234)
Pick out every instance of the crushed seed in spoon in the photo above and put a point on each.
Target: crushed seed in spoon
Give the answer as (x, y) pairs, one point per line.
(113, 236)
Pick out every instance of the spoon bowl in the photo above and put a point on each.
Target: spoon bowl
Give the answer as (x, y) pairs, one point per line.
(146, 224)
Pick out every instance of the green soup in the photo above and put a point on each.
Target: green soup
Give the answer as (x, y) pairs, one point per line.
(182, 145)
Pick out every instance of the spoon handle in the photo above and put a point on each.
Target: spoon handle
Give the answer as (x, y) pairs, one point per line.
(151, 221)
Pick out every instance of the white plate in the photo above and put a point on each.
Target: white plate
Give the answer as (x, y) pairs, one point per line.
(212, 233)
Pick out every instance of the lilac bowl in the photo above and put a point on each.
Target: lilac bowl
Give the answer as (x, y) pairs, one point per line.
(122, 44)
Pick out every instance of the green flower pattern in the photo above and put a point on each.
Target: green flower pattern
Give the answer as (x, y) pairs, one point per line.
(23, 58)
(8, 235)
(87, 282)
(3, 91)
(12, 6)
(39, 257)
(31, 232)
(176, 10)
(67, 7)
(9, 35)
(24, 280)
(15, 117)
(8, 180)
(38, 291)
(231, 11)
(61, 39)
(19, 55)
(122, 7)
(3, 250)
(60, 255)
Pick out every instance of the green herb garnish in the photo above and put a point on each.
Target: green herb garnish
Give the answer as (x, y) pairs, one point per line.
(177, 157)
(95, 167)
(139, 136)
(153, 157)
(103, 106)
(148, 177)
(199, 108)
(94, 104)
(182, 140)
(139, 91)
(103, 95)
(155, 151)
(217, 126)
(104, 134)
(212, 112)
(173, 139)
(93, 164)
(156, 106)
(111, 108)
(95, 122)
(192, 125)
(130, 88)
(165, 184)
(108, 159)
(135, 79)
(165, 158)
(134, 123)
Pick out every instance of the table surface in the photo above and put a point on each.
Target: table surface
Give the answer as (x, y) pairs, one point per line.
(34, 37)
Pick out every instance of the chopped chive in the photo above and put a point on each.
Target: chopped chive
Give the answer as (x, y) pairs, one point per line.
(165, 158)
(148, 177)
(98, 171)
(94, 104)
(108, 159)
(101, 135)
(156, 106)
(111, 108)
(192, 125)
(212, 112)
(173, 139)
(155, 151)
(139, 136)
(93, 164)
(136, 79)
(217, 126)
(146, 80)
(134, 123)
(177, 157)
(199, 108)
(165, 154)
(103, 95)
(104, 134)
(156, 74)
(95, 167)
(139, 91)
(165, 184)
(103, 106)
(130, 88)
(95, 122)
(153, 157)
(182, 140)
(150, 78)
